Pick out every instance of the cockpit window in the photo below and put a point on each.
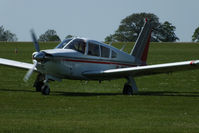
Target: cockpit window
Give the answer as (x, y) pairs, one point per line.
(78, 45)
(62, 44)
(93, 49)
(105, 52)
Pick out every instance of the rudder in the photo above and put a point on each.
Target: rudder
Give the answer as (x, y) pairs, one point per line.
(140, 49)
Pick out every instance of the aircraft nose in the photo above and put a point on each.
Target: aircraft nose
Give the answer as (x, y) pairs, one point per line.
(39, 56)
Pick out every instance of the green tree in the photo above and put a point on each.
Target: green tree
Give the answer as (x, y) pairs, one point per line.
(195, 37)
(166, 32)
(110, 38)
(6, 35)
(49, 35)
(131, 26)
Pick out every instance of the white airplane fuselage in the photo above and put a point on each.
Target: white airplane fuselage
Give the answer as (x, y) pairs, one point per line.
(71, 64)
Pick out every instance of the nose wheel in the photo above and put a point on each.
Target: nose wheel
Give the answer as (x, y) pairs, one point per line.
(45, 90)
(38, 86)
(41, 84)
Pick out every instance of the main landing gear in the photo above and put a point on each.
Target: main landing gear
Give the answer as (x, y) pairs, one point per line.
(41, 84)
(130, 87)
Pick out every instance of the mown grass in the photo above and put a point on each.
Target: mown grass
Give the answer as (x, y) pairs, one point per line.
(166, 103)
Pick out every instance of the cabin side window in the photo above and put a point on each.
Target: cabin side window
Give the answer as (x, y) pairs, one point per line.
(93, 49)
(105, 52)
(113, 54)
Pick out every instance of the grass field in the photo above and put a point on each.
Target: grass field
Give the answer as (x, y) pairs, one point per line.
(166, 103)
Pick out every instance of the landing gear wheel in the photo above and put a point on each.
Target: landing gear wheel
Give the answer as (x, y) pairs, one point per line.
(45, 90)
(127, 90)
(39, 82)
(38, 86)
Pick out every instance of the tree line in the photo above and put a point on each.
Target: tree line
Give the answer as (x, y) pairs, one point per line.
(128, 31)
(130, 27)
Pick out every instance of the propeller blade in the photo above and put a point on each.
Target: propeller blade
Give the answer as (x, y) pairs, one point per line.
(30, 71)
(34, 39)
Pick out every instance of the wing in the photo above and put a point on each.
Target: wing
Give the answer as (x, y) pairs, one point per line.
(142, 70)
(16, 64)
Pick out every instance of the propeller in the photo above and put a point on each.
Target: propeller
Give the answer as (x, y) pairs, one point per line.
(34, 39)
(36, 44)
(30, 71)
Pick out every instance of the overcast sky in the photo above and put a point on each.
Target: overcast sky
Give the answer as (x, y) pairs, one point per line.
(93, 19)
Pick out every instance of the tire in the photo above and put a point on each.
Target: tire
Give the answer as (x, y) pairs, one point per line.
(127, 90)
(38, 86)
(45, 90)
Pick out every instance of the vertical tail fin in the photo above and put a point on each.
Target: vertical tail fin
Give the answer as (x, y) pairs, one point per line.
(140, 49)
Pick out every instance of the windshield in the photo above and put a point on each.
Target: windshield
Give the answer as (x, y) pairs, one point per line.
(63, 43)
(77, 44)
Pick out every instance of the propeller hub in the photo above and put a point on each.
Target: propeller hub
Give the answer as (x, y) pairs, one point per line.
(39, 56)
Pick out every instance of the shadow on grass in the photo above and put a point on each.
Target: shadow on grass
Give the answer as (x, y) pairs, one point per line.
(168, 93)
(10, 90)
(83, 93)
(141, 93)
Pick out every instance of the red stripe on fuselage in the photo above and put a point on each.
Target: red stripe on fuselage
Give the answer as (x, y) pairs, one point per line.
(98, 62)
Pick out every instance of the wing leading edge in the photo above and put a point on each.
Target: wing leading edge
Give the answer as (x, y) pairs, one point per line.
(16, 64)
(143, 70)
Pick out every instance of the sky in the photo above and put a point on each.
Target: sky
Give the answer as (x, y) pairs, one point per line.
(94, 19)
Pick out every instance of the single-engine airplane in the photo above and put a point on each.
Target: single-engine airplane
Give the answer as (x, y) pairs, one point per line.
(84, 59)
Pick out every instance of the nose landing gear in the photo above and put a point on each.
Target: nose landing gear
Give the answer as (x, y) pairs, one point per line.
(41, 84)
(45, 90)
